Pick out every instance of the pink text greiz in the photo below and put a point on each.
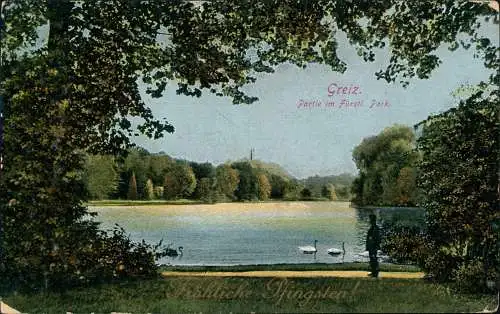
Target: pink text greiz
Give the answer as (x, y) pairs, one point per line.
(336, 89)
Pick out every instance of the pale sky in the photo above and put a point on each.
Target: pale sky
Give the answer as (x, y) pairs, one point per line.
(308, 140)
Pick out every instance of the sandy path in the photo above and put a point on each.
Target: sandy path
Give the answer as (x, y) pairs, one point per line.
(295, 274)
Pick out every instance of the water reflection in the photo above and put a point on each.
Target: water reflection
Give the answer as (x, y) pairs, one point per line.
(363, 224)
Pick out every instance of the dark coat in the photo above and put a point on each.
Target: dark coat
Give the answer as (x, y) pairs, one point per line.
(373, 239)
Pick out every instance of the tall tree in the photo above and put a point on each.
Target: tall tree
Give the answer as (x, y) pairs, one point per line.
(407, 192)
(137, 162)
(264, 187)
(227, 180)
(101, 176)
(205, 190)
(202, 170)
(248, 185)
(328, 191)
(149, 190)
(459, 173)
(158, 164)
(179, 181)
(379, 160)
(132, 188)
(278, 186)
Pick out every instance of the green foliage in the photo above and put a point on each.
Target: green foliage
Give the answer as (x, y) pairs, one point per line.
(406, 189)
(248, 185)
(279, 186)
(181, 294)
(305, 193)
(386, 164)
(205, 182)
(145, 166)
(274, 29)
(158, 164)
(137, 163)
(204, 170)
(470, 277)
(132, 188)
(224, 179)
(264, 187)
(227, 180)
(44, 185)
(205, 190)
(179, 181)
(57, 264)
(149, 190)
(159, 192)
(316, 184)
(328, 191)
(271, 169)
(404, 243)
(100, 176)
(343, 192)
(459, 172)
(293, 189)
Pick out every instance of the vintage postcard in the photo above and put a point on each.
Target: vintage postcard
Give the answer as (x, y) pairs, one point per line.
(249, 156)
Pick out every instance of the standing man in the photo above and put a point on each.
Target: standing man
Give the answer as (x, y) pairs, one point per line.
(373, 244)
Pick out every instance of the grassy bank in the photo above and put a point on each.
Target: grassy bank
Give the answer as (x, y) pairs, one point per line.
(294, 267)
(214, 295)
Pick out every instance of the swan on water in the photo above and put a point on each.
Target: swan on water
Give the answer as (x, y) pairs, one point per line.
(335, 251)
(173, 252)
(309, 249)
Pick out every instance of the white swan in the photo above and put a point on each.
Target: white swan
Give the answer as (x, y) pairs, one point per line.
(335, 251)
(173, 252)
(309, 249)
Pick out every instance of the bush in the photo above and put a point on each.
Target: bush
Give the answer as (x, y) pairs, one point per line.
(470, 277)
(305, 193)
(158, 192)
(404, 244)
(439, 266)
(408, 243)
(74, 255)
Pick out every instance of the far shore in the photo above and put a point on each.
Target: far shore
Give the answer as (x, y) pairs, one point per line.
(197, 202)
(184, 205)
(233, 207)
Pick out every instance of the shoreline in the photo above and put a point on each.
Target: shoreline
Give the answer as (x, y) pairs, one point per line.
(186, 202)
(347, 266)
(106, 203)
(268, 208)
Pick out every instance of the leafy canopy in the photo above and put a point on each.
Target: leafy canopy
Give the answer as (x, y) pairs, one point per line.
(108, 46)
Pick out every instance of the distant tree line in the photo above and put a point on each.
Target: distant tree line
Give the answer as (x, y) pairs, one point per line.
(147, 176)
(335, 187)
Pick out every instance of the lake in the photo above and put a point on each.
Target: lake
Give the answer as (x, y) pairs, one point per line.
(249, 233)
